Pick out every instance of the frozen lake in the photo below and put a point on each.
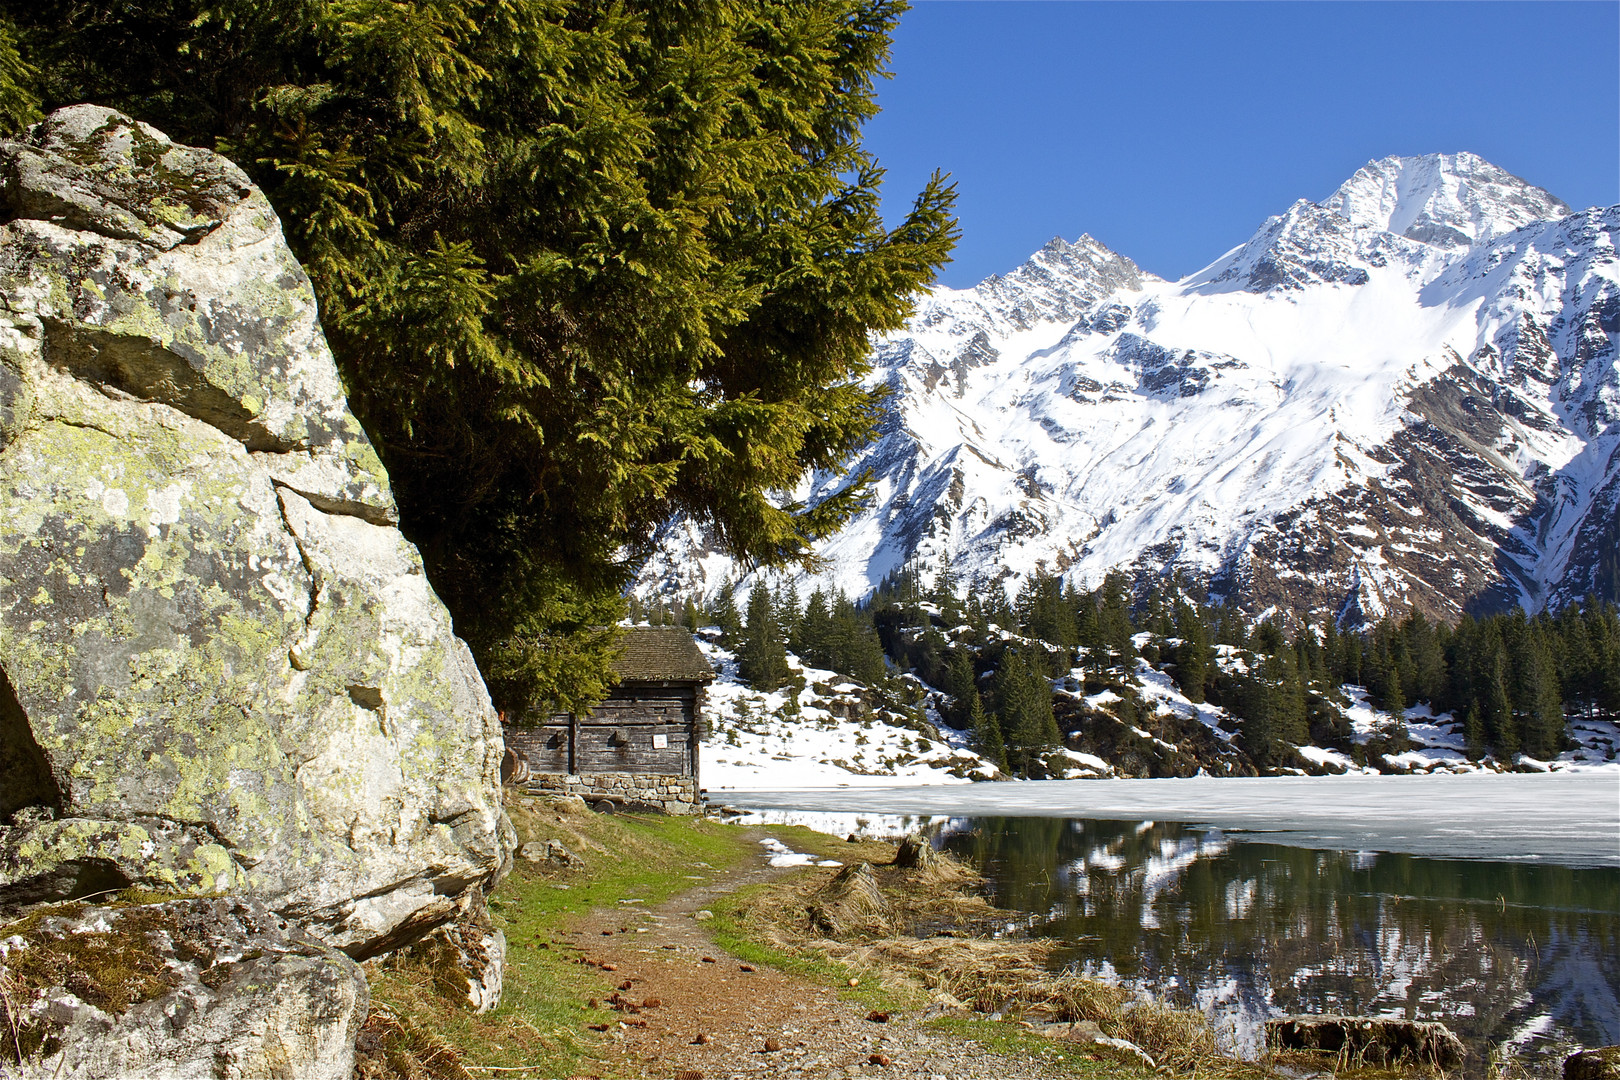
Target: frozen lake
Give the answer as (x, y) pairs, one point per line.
(1491, 903)
(1568, 819)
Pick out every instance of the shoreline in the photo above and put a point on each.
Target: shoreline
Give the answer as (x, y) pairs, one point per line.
(1567, 819)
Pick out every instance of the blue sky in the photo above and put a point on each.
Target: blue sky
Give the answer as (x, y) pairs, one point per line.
(1170, 131)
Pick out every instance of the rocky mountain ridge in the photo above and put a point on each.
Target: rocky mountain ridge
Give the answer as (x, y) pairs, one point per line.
(1401, 397)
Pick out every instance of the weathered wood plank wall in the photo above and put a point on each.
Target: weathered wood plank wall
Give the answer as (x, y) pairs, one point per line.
(651, 730)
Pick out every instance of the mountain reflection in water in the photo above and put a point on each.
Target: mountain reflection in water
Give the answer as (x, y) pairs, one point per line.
(1504, 953)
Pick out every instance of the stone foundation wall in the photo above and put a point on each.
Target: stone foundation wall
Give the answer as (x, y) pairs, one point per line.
(671, 794)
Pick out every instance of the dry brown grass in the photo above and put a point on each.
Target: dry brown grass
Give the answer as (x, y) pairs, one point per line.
(391, 1049)
(871, 918)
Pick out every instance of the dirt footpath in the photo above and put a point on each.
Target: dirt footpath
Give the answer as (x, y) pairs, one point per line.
(691, 1011)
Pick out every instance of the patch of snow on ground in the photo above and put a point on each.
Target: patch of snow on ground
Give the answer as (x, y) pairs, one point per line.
(1161, 694)
(782, 855)
(861, 826)
(1083, 765)
(1597, 745)
(1318, 755)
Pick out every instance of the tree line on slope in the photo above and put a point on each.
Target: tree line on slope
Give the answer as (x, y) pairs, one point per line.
(1514, 681)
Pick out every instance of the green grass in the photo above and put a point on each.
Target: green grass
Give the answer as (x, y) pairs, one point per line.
(542, 1018)
(541, 1024)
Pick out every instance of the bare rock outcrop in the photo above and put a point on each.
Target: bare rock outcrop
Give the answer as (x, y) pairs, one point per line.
(222, 669)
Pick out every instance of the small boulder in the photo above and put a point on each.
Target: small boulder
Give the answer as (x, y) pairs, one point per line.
(1600, 1063)
(1371, 1040)
(916, 853)
(552, 852)
(466, 957)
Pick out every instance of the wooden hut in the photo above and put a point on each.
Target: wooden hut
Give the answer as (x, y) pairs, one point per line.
(638, 747)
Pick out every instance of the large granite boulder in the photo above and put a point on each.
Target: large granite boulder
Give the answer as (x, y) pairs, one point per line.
(221, 667)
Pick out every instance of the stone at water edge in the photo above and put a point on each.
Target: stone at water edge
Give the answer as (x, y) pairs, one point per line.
(1374, 1040)
(217, 988)
(1599, 1063)
(916, 853)
(222, 669)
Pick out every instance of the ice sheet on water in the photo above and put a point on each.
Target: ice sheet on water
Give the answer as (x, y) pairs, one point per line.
(1569, 819)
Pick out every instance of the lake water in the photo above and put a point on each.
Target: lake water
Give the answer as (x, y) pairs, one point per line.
(1491, 903)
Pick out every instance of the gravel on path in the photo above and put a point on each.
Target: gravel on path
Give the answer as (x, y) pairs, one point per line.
(691, 1011)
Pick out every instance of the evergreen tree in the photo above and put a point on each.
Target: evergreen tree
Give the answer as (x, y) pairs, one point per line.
(1474, 732)
(855, 648)
(789, 613)
(986, 729)
(1024, 707)
(1267, 638)
(1577, 661)
(1333, 656)
(929, 655)
(1426, 647)
(1271, 707)
(582, 265)
(1045, 616)
(1603, 630)
(726, 616)
(1088, 628)
(1537, 700)
(813, 639)
(762, 653)
(944, 596)
(1114, 624)
(1193, 655)
(962, 686)
(1496, 707)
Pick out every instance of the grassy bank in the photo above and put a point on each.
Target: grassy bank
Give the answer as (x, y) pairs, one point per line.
(541, 1025)
(908, 939)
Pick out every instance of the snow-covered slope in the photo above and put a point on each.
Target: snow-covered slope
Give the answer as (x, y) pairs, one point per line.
(822, 731)
(1402, 396)
(825, 730)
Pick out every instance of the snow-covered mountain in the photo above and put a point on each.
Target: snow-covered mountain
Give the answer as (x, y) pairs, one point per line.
(1403, 396)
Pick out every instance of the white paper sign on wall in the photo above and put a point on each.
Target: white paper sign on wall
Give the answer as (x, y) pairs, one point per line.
(660, 742)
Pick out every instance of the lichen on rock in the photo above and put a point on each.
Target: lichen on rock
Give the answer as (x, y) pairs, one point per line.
(222, 669)
(175, 989)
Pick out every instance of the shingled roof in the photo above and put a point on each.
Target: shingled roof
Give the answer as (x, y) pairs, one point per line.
(661, 654)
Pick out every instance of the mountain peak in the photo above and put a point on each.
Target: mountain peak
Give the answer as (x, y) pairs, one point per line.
(1447, 200)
